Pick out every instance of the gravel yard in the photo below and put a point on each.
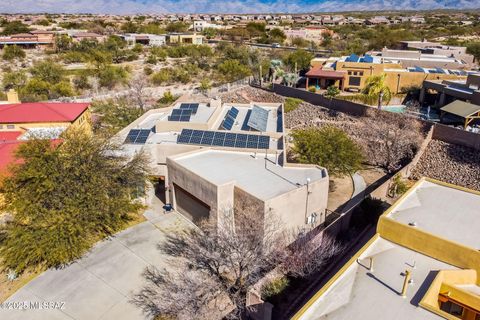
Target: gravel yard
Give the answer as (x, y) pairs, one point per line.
(450, 163)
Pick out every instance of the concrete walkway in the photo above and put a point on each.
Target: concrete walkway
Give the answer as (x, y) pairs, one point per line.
(99, 285)
(359, 186)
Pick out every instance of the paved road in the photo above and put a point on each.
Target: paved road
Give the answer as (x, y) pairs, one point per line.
(100, 285)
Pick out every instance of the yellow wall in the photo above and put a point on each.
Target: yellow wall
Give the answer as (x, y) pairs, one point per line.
(395, 79)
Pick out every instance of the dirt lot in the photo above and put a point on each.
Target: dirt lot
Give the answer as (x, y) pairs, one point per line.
(341, 190)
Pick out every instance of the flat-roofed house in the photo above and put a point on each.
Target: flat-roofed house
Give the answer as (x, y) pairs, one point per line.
(209, 158)
(423, 262)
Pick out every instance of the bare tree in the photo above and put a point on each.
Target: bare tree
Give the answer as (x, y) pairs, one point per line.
(228, 257)
(392, 139)
(184, 295)
(308, 254)
(138, 91)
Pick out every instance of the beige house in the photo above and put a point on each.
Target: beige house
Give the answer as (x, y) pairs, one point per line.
(221, 156)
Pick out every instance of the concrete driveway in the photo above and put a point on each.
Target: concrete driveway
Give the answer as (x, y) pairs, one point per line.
(99, 285)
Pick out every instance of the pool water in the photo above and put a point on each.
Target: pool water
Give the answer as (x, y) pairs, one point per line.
(396, 109)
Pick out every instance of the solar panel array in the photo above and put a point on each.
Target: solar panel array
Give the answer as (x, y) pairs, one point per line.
(230, 117)
(258, 119)
(137, 136)
(180, 115)
(190, 106)
(223, 139)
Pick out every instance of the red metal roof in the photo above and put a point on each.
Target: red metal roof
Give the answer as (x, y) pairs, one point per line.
(320, 73)
(41, 112)
(7, 155)
(9, 135)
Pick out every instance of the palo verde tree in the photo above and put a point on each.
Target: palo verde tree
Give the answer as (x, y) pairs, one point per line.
(64, 196)
(328, 147)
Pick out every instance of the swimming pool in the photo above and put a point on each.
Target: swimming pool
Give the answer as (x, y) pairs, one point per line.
(396, 109)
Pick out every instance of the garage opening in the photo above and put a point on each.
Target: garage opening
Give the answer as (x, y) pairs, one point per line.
(190, 206)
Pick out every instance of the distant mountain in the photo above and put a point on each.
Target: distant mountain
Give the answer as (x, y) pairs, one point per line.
(222, 6)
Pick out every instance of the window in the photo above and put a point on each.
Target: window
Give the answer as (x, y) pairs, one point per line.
(10, 126)
(452, 308)
(361, 73)
(354, 81)
(349, 73)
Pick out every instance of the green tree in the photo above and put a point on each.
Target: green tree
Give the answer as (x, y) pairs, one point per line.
(277, 35)
(35, 90)
(114, 114)
(13, 52)
(328, 147)
(63, 43)
(376, 87)
(109, 76)
(232, 70)
(129, 27)
(299, 58)
(14, 27)
(167, 98)
(474, 49)
(256, 29)
(48, 71)
(209, 33)
(14, 80)
(65, 198)
(177, 27)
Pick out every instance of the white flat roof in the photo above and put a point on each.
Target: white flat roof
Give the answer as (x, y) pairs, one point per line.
(363, 294)
(260, 177)
(452, 213)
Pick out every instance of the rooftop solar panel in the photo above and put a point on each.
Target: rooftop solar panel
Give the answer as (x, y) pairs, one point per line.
(223, 139)
(180, 115)
(258, 119)
(137, 136)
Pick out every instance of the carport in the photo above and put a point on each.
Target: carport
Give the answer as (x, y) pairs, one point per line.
(464, 110)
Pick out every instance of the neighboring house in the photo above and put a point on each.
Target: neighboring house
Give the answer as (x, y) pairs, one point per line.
(417, 58)
(209, 158)
(423, 262)
(153, 40)
(437, 48)
(187, 38)
(350, 73)
(438, 93)
(33, 39)
(20, 122)
(79, 36)
(23, 117)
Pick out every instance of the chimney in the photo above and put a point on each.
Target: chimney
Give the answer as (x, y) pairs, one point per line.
(12, 96)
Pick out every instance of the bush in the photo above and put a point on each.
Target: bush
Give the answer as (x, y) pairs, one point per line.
(274, 287)
(312, 89)
(110, 76)
(232, 70)
(292, 104)
(13, 52)
(167, 98)
(161, 77)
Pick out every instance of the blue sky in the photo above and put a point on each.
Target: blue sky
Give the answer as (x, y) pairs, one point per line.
(220, 6)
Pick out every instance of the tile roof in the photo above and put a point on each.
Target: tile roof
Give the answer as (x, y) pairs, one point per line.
(9, 135)
(41, 112)
(318, 72)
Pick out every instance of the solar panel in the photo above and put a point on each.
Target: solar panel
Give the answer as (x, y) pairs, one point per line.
(258, 119)
(263, 142)
(180, 115)
(137, 136)
(228, 123)
(224, 139)
(190, 106)
(233, 112)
